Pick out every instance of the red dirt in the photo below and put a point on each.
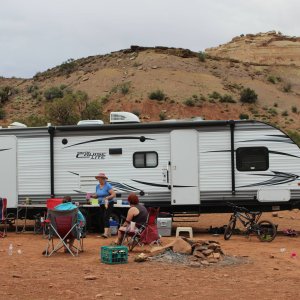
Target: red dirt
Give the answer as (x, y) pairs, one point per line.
(269, 274)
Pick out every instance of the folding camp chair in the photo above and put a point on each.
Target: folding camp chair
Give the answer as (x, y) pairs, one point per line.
(63, 225)
(3, 216)
(145, 234)
(41, 220)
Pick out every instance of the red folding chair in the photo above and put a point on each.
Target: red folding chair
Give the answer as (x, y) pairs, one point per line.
(145, 234)
(63, 224)
(41, 222)
(3, 216)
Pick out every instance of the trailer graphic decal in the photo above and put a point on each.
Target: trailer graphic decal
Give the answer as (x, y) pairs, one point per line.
(91, 155)
(141, 138)
(270, 151)
(161, 185)
(277, 178)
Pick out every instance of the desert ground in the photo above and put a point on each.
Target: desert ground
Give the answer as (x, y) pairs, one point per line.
(263, 271)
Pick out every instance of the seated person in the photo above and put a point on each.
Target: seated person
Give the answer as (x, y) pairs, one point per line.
(68, 205)
(137, 213)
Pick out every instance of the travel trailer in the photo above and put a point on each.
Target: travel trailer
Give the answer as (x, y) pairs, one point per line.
(180, 166)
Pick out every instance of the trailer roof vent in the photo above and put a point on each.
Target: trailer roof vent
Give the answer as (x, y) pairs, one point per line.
(123, 117)
(17, 125)
(90, 122)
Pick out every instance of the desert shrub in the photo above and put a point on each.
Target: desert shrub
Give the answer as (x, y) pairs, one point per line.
(227, 99)
(67, 67)
(136, 112)
(201, 56)
(6, 92)
(189, 102)
(287, 87)
(32, 88)
(63, 111)
(285, 113)
(248, 95)
(294, 109)
(275, 104)
(124, 88)
(92, 111)
(244, 116)
(295, 136)
(105, 99)
(273, 111)
(2, 113)
(157, 95)
(162, 116)
(34, 121)
(272, 79)
(53, 92)
(215, 95)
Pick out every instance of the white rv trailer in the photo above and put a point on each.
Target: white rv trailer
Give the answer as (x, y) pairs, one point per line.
(183, 166)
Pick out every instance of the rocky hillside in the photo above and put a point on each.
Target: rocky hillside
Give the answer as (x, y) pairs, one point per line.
(180, 82)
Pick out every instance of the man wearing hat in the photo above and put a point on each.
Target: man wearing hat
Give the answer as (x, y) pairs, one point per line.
(105, 195)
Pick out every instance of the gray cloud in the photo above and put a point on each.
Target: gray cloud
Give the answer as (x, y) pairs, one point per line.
(39, 34)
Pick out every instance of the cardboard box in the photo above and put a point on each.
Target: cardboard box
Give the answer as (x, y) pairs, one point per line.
(164, 226)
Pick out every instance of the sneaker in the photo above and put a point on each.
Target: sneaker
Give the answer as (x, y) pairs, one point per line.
(104, 236)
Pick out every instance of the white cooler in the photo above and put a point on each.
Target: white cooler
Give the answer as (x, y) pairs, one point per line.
(164, 226)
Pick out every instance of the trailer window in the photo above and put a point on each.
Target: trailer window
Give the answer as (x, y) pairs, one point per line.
(145, 159)
(252, 159)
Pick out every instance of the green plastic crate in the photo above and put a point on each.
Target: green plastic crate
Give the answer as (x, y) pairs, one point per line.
(114, 254)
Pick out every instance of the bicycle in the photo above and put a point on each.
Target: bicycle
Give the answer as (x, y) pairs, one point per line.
(265, 230)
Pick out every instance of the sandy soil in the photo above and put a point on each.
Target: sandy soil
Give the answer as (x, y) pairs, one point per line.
(267, 274)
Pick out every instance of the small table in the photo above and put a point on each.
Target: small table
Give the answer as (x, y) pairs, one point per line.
(20, 207)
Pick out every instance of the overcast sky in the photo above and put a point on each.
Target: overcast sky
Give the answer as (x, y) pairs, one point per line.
(39, 34)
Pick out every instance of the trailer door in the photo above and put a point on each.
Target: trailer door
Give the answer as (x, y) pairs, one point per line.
(8, 169)
(184, 172)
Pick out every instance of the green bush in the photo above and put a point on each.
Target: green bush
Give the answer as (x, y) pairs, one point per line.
(287, 87)
(32, 88)
(201, 56)
(248, 96)
(124, 88)
(136, 112)
(295, 136)
(285, 113)
(34, 121)
(215, 95)
(162, 116)
(273, 111)
(105, 99)
(157, 95)
(53, 93)
(2, 113)
(92, 111)
(272, 79)
(189, 102)
(6, 92)
(294, 109)
(67, 67)
(244, 116)
(227, 99)
(63, 111)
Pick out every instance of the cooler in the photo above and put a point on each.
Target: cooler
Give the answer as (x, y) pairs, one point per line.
(164, 226)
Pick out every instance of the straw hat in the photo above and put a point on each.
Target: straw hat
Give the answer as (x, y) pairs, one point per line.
(101, 175)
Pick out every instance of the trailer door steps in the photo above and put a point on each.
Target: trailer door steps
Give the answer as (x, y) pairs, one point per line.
(186, 217)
